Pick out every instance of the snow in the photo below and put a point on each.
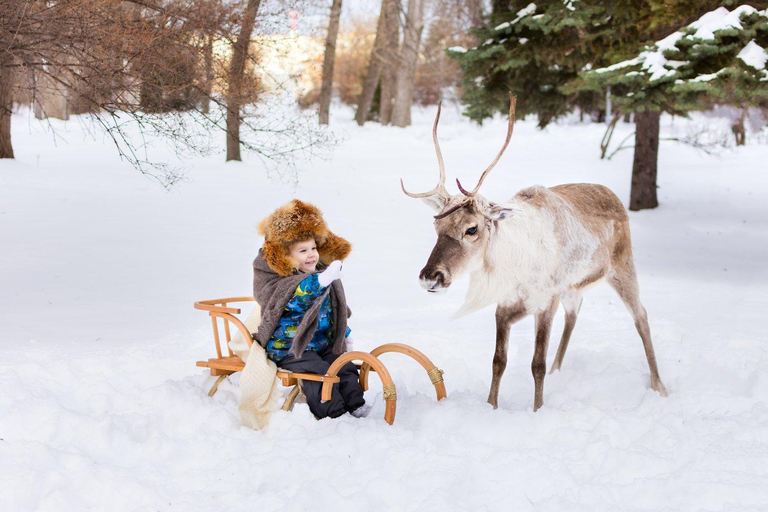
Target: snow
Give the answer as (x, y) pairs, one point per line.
(754, 55)
(719, 19)
(457, 49)
(700, 78)
(658, 66)
(705, 78)
(653, 62)
(522, 13)
(103, 408)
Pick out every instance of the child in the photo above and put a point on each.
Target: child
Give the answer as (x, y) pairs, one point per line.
(297, 283)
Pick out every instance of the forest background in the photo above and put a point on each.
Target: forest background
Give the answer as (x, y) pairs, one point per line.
(185, 69)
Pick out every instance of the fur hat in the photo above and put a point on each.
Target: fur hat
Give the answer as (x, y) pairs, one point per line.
(293, 222)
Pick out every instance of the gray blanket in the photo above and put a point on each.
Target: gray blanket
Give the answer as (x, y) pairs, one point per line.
(273, 292)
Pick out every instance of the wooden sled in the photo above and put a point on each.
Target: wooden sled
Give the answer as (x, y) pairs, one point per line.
(227, 363)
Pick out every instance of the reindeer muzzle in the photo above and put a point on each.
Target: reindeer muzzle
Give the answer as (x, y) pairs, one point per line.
(434, 281)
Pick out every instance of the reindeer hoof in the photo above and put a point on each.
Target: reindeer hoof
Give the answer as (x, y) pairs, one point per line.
(660, 389)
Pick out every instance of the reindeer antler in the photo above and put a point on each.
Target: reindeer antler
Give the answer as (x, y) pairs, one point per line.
(512, 104)
(440, 188)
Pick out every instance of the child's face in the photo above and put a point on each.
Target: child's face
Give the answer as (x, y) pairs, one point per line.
(305, 253)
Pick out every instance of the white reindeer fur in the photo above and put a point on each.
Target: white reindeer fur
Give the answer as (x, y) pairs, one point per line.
(534, 255)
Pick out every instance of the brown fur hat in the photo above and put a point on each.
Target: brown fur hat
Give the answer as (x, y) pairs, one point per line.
(293, 222)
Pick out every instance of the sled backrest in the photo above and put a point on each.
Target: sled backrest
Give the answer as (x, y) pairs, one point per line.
(219, 308)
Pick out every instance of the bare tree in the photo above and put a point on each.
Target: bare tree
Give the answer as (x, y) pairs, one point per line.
(390, 59)
(236, 78)
(330, 57)
(374, 70)
(146, 67)
(407, 61)
(65, 47)
(451, 23)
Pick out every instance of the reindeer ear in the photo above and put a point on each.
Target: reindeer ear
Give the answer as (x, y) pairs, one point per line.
(437, 202)
(496, 212)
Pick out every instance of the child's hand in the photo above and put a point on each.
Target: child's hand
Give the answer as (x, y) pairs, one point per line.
(329, 275)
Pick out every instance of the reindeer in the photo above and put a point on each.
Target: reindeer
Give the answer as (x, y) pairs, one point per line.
(543, 247)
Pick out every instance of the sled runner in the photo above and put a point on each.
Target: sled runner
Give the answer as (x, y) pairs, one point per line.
(227, 363)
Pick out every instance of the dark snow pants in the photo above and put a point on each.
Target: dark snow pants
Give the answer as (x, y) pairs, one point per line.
(346, 396)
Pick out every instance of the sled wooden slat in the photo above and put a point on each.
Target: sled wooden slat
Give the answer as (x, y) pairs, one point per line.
(233, 364)
(291, 378)
(226, 365)
(216, 335)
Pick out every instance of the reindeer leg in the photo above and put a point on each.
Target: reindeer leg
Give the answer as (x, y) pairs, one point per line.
(571, 304)
(505, 317)
(624, 280)
(539, 364)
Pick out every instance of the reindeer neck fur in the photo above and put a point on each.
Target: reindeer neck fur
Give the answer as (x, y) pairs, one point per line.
(535, 254)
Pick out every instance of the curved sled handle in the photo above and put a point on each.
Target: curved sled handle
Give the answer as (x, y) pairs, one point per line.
(435, 373)
(390, 393)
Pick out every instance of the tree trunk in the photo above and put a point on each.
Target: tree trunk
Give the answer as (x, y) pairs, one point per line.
(205, 107)
(236, 74)
(328, 61)
(374, 70)
(739, 132)
(390, 58)
(409, 56)
(50, 97)
(645, 165)
(6, 109)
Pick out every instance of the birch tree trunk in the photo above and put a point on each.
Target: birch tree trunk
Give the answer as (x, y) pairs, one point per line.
(330, 58)
(390, 61)
(374, 70)
(645, 166)
(406, 71)
(6, 108)
(236, 74)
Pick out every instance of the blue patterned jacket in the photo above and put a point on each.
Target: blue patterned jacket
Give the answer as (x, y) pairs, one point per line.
(279, 346)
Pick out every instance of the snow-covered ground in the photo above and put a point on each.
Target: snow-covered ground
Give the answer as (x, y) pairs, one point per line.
(102, 407)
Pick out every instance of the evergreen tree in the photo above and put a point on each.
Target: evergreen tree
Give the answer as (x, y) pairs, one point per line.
(719, 58)
(727, 69)
(543, 51)
(532, 51)
(536, 50)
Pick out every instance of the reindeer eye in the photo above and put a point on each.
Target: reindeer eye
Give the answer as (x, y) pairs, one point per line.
(471, 231)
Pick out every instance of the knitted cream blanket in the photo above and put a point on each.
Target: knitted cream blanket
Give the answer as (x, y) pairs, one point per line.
(258, 381)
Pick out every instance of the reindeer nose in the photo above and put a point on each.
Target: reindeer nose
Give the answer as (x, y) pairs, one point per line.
(432, 279)
(431, 275)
